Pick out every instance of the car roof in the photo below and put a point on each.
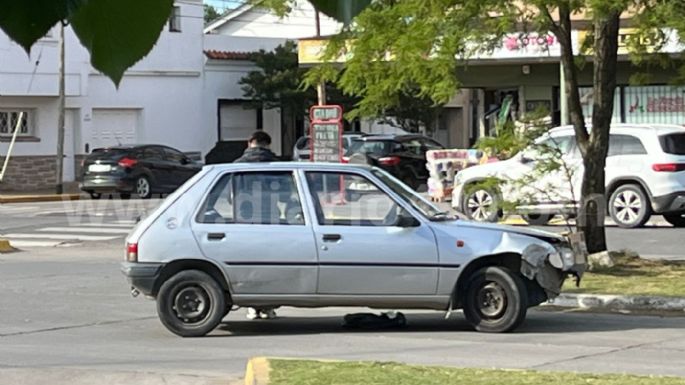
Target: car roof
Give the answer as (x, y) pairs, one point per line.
(658, 129)
(401, 137)
(275, 166)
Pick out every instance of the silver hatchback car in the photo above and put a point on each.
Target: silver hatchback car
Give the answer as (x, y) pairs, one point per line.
(282, 234)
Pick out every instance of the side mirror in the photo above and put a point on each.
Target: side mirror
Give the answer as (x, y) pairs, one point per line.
(525, 159)
(406, 220)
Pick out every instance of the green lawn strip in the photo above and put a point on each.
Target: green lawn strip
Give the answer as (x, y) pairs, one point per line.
(296, 372)
(634, 276)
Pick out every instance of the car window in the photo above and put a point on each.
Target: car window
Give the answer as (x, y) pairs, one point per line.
(413, 146)
(153, 153)
(431, 144)
(673, 144)
(375, 147)
(343, 199)
(265, 198)
(173, 155)
(625, 145)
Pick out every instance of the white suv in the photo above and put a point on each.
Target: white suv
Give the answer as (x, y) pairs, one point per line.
(645, 175)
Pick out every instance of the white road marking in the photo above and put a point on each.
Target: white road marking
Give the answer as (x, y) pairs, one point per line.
(117, 225)
(78, 237)
(22, 244)
(101, 230)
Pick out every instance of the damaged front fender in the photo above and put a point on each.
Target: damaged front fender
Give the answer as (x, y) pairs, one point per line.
(544, 265)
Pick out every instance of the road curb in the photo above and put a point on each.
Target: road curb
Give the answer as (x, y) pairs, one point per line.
(5, 246)
(257, 371)
(619, 302)
(38, 198)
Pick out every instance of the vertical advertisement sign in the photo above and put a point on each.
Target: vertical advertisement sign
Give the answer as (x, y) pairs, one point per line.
(326, 133)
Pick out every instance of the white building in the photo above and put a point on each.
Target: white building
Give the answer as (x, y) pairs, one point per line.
(159, 100)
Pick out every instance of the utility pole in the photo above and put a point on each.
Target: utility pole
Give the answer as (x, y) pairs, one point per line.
(60, 119)
(321, 87)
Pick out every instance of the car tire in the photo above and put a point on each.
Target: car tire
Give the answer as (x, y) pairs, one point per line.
(537, 219)
(677, 220)
(482, 205)
(629, 206)
(200, 298)
(143, 187)
(94, 195)
(496, 300)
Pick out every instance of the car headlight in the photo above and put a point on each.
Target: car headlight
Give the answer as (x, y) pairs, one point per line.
(567, 257)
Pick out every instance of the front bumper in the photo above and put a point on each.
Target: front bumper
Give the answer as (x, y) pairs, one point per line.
(670, 203)
(142, 276)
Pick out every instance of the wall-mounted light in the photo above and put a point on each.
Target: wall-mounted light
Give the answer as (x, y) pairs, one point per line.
(525, 69)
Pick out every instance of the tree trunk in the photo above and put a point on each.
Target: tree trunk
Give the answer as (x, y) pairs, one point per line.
(593, 208)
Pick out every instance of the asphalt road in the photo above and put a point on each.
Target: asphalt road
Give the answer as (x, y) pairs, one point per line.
(66, 316)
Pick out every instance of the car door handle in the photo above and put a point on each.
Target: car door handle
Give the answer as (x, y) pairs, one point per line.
(215, 236)
(331, 237)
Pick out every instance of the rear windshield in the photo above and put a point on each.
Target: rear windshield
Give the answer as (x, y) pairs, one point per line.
(376, 147)
(673, 144)
(110, 151)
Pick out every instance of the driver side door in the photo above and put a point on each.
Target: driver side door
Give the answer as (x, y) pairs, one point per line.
(361, 249)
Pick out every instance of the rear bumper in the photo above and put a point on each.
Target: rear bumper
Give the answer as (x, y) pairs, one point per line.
(142, 276)
(670, 203)
(106, 183)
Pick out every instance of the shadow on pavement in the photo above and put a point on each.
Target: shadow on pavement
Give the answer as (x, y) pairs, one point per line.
(537, 322)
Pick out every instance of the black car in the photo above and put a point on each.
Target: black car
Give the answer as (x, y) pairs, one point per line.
(143, 170)
(404, 156)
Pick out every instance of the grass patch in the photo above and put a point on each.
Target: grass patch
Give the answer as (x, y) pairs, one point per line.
(634, 276)
(295, 372)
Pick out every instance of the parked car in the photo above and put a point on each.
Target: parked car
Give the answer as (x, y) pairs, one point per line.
(302, 148)
(203, 251)
(143, 170)
(403, 156)
(645, 175)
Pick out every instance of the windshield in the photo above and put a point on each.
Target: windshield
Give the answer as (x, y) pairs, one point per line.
(410, 196)
(375, 147)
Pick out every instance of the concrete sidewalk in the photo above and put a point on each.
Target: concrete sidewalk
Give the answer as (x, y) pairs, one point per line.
(71, 192)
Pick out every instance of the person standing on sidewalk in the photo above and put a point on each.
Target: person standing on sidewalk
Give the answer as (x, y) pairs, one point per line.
(258, 151)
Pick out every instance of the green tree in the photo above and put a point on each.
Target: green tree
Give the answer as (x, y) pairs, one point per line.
(398, 44)
(116, 33)
(211, 13)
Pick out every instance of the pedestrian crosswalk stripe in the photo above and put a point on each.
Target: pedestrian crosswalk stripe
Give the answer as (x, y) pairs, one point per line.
(80, 237)
(21, 244)
(125, 222)
(84, 230)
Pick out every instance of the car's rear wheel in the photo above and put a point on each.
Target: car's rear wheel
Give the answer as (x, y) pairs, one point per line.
(482, 205)
(495, 300)
(191, 303)
(143, 188)
(677, 220)
(629, 206)
(537, 219)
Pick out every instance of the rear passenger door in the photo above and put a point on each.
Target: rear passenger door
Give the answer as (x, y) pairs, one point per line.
(626, 157)
(254, 225)
(153, 160)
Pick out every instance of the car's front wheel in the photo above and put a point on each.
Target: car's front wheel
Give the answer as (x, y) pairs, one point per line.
(191, 303)
(677, 220)
(495, 300)
(537, 219)
(629, 206)
(482, 205)
(94, 195)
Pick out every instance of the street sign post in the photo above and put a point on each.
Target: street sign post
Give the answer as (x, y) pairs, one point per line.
(326, 133)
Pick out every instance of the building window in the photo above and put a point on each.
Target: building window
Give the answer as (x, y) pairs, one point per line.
(175, 20)
(9, 119)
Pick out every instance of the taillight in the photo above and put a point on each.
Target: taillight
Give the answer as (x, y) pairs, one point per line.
(132, 252)
(345, 159)
(668, 167)
(389, 161)
(127, 162)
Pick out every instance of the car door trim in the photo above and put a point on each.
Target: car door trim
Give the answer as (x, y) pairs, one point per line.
(369, 264)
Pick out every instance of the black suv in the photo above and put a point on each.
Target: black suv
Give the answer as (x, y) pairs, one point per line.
(144, 170)
(404, 156)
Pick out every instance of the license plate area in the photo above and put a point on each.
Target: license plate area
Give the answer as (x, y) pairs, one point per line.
(99, 168)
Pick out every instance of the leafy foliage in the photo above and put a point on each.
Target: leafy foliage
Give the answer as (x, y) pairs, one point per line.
(211, 13)
(116, 33)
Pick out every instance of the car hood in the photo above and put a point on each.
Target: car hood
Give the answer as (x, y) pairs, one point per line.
(546, 236)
